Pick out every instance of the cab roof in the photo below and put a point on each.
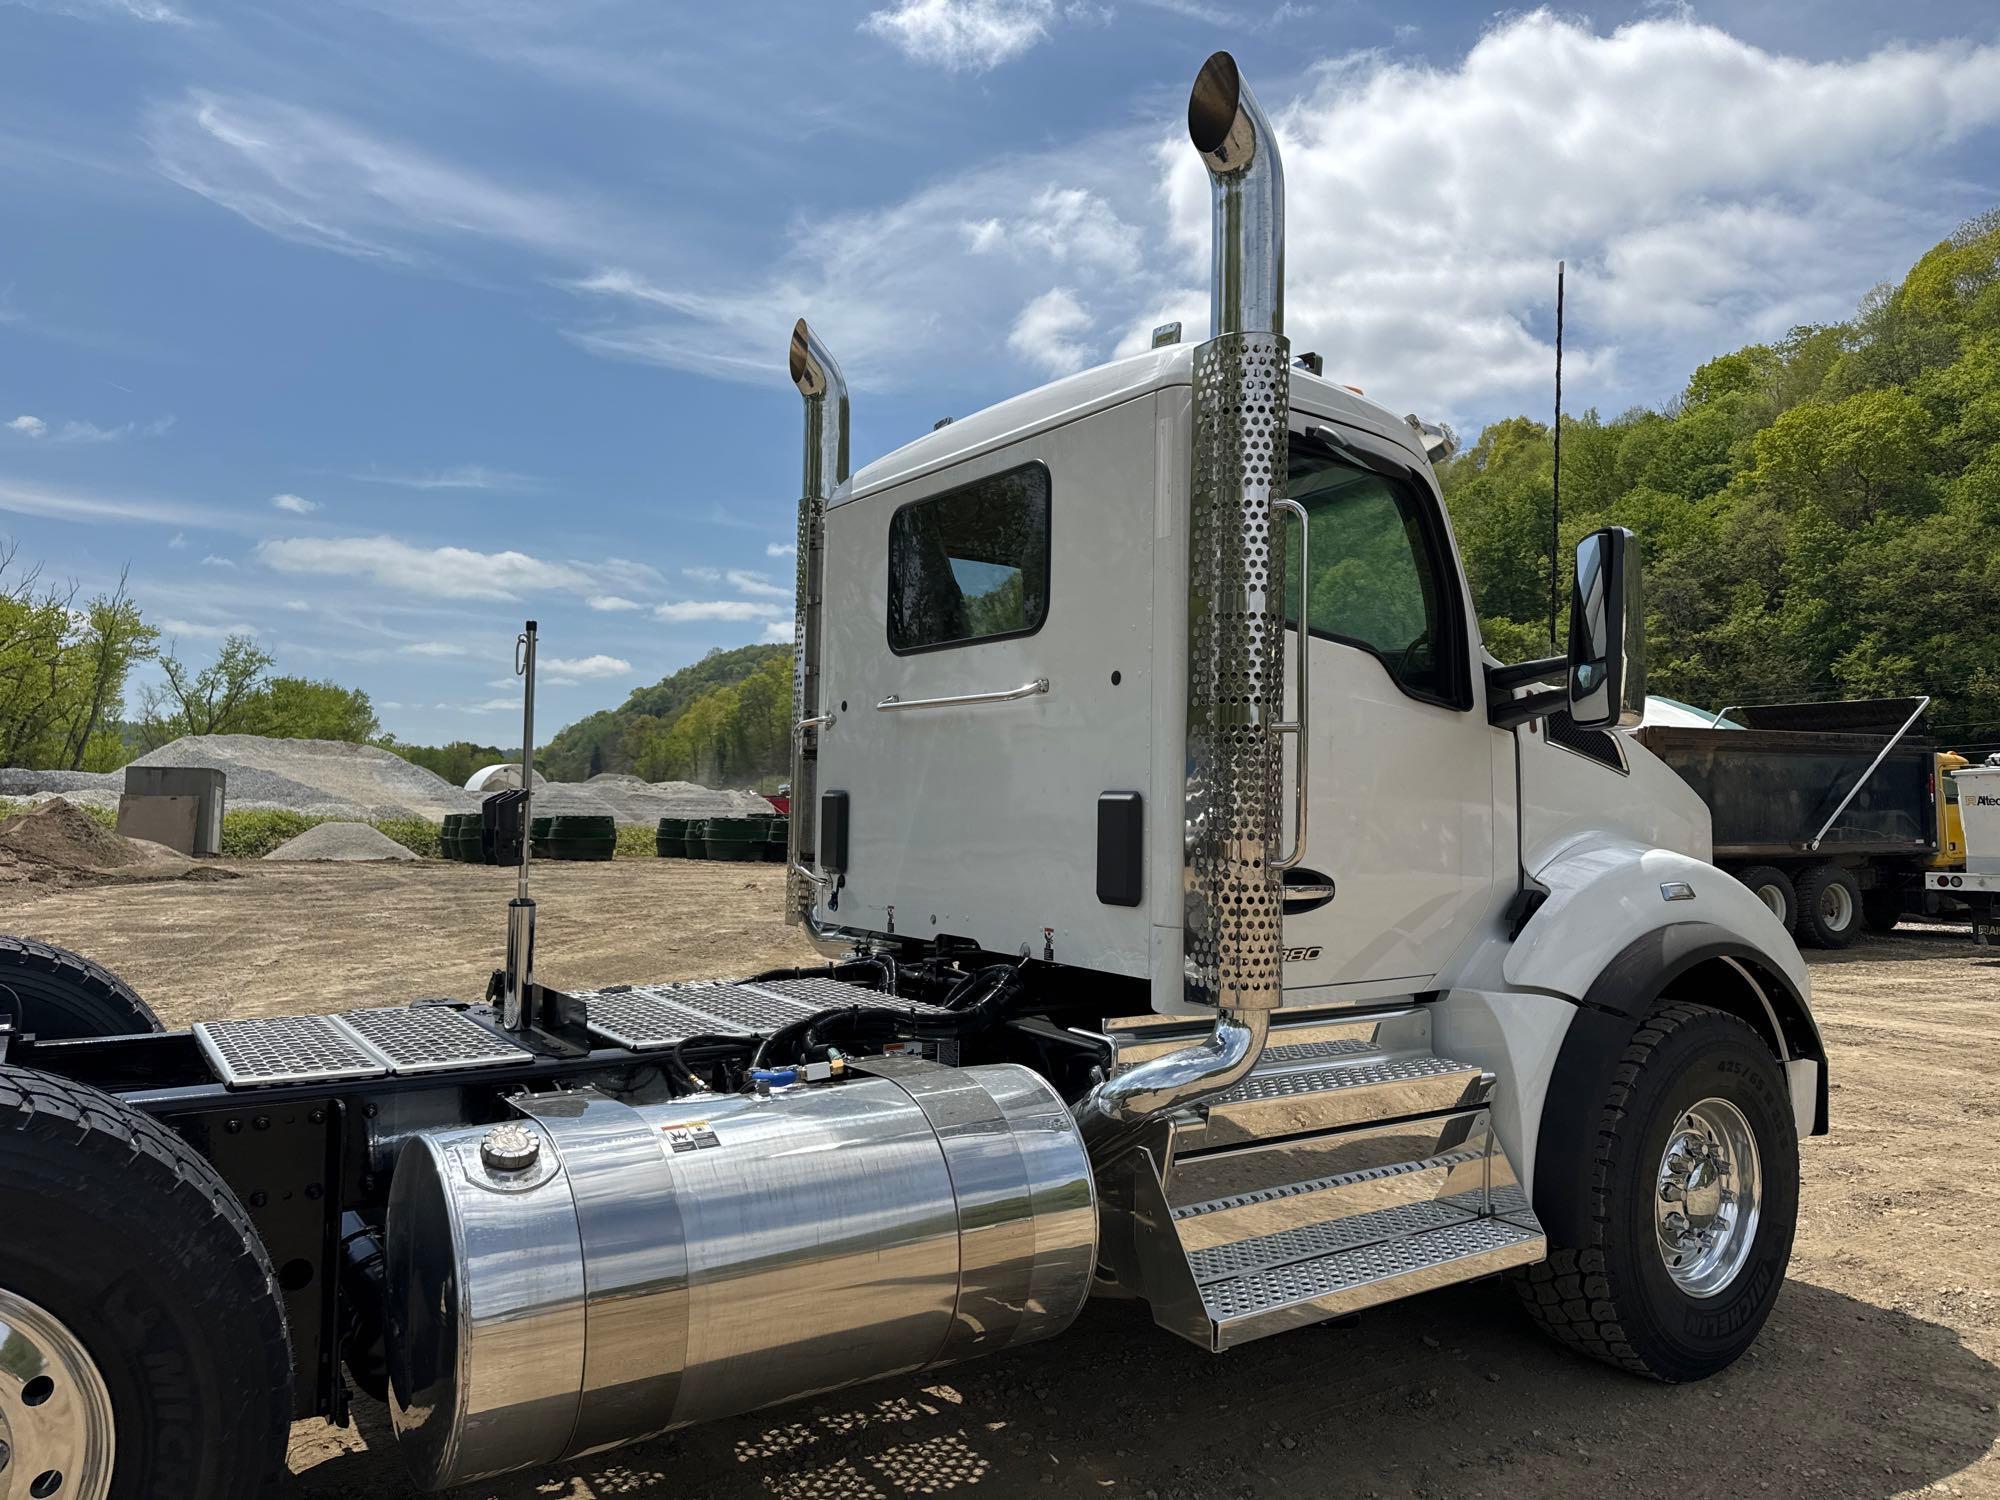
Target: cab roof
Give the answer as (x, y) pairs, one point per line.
(1095, 390)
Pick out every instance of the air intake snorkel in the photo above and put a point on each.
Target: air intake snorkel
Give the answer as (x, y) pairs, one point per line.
(1232, 943)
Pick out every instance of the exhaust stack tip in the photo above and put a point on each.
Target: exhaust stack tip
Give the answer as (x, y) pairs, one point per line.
(808, 373)
(1217, 124)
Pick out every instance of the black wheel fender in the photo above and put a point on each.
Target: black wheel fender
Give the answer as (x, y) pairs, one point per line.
(1629, 989)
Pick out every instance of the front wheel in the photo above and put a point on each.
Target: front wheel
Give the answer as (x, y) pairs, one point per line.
(1691, 1204)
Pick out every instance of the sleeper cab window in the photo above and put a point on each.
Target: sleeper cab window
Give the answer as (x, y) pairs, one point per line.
(970, 564)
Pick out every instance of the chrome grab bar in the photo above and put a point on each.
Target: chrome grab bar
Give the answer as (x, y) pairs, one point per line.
(818, 721)
(893, 704)
(1297, 726)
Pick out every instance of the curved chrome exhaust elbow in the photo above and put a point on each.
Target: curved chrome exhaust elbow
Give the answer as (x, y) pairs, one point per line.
(815, 373)
(1247, 197)
(1114, 1113)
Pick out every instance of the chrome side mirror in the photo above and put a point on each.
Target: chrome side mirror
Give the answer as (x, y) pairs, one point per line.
(1607, 632)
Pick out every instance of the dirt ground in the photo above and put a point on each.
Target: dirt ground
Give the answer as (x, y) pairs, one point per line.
(1878, 1375)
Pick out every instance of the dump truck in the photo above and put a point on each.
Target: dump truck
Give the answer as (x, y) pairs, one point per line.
(1207, 920)
(1827, 811)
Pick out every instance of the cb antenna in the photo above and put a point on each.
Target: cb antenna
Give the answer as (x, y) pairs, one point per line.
(1556, 485)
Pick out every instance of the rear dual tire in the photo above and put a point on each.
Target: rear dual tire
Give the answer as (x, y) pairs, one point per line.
(1636, 1292)
(143, 1299)
(58, 995)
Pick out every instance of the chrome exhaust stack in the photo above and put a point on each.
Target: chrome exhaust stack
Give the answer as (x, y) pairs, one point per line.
(516, 1011)
(1233, 948)
(824, 389)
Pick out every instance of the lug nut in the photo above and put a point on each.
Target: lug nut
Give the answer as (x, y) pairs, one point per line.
(1671, 1192)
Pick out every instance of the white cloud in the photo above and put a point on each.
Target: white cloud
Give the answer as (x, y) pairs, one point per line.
(489, 706)
(90, 432)
(703, 575)
(780, 630)
(298, 606)
(756, 584)
(716, 609)
(781, 549)
(1045, 334)
(435, 649)
(612, 602)
(153, 12)
(440, 572)
(459, 477)
(962, 35)
(28, 426)
(212, 561)
(177, 541)
(1702, 189)
(568, 671)
(205, 630)
(1060, 226)
(298, 505)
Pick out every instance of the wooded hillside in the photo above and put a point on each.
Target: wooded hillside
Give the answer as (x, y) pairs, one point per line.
(1817, 514)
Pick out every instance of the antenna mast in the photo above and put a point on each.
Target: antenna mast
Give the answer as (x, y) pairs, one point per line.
(1555, 488)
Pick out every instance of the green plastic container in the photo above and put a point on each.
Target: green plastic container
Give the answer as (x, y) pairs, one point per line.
(538, 837)
(777, 840)
(670, 838)
(463, 839)
(558, 847)
(738, 839)
(695, 842)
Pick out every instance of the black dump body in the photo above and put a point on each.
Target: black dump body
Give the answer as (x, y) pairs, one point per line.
(1772, 784)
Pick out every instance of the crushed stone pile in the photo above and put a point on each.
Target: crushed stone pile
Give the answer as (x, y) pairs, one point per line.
(341, 841)
(334, 779)
(329, 778)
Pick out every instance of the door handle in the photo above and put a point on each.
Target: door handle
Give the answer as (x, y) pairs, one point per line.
(1306, 890)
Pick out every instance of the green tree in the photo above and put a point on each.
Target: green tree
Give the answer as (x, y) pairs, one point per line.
(296, 708)
(214, 699)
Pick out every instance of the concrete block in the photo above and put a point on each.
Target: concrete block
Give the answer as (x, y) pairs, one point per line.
(173, 821)
(204, 784)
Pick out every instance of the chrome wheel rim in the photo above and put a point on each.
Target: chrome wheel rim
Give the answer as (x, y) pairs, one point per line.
(1836, 908)
(56, 1433)
(1707, 1197)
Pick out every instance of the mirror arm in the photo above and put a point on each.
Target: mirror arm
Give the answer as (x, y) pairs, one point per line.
(1511, 713)
(1523, 674)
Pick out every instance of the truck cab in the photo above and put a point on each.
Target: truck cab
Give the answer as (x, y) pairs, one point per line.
(1210, 921)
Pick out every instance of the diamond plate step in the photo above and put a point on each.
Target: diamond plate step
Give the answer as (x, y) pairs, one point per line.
(1348, 1278)
(1268, 1105)
(431, 1039)
(1219, 1226)
(285, 1049)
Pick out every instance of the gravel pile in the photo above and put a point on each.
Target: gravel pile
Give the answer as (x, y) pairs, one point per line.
(341, 841)
(57, 842)
(333, 779)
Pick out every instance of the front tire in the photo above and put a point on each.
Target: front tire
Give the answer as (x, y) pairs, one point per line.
(1691, 1204)
(150, 1306)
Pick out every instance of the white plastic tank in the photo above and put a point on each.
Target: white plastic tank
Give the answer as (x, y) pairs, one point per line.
(1979, 805)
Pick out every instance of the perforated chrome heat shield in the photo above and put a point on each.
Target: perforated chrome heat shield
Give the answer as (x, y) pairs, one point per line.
(1233, 953)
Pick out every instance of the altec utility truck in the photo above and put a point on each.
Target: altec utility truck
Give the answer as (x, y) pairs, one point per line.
(1209, 922)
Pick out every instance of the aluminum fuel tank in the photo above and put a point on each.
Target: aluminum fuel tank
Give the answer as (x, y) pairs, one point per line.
(606, 1271)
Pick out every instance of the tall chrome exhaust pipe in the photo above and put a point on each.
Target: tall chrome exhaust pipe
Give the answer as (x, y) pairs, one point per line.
(1233, 945)
(824, 390)
(515, 1012)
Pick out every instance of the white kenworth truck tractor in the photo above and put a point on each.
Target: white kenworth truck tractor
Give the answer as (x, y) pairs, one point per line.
(1208, 922)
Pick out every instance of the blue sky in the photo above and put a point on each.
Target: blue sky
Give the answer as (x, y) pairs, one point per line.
(374, 328)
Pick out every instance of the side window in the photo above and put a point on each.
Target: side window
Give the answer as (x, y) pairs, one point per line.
(1376, 582)
(970, 564)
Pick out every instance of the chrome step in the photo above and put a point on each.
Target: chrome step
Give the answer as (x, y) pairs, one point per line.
(1275, 1297)
(1269, 1215)
(1366, 1090)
